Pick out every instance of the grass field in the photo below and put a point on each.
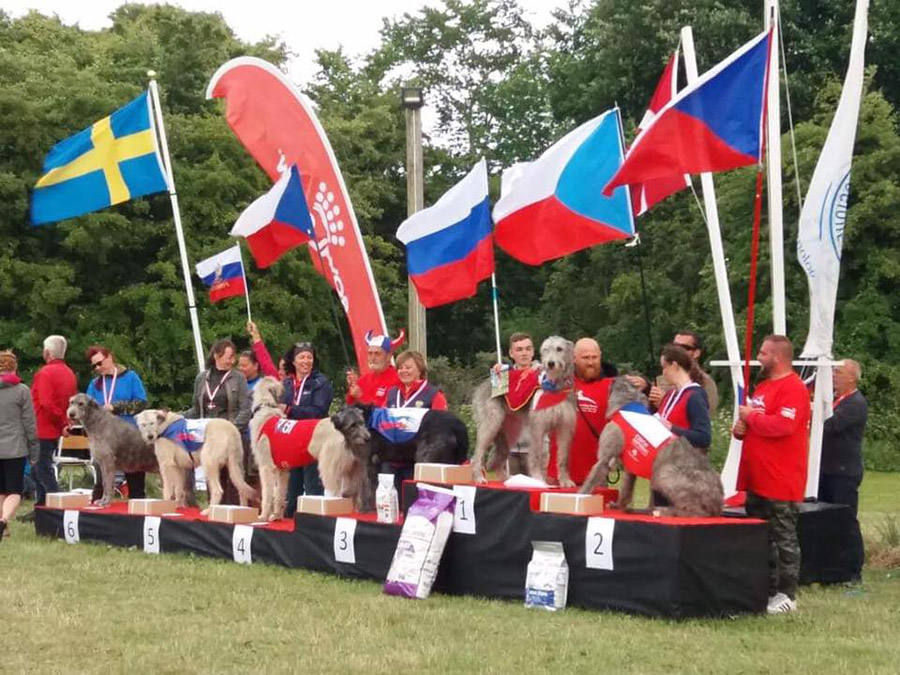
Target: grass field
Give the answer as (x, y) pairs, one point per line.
(92, 608)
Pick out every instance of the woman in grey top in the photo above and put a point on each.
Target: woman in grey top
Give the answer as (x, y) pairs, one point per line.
(18, 437)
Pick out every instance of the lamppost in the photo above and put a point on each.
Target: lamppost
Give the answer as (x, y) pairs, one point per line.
(412, 101)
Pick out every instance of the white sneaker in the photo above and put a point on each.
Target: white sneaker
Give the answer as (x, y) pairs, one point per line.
(781, 604)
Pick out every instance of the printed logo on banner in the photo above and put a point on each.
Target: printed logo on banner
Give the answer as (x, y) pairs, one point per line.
(464, 509)
(151, 534)
(598, 543)
(70, 527)
(240, 544)
(344, 534)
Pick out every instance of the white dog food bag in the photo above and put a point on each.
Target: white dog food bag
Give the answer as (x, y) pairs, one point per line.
(426, 529)
(387, 502)
(547, 580)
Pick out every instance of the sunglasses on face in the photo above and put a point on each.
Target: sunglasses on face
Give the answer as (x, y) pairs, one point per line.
(690, 348)
(95, 365)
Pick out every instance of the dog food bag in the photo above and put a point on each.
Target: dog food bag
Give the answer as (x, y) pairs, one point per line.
(547, 579)
(387, 502)
(426, 529)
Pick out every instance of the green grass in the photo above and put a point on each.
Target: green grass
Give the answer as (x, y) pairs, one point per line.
(92, 608)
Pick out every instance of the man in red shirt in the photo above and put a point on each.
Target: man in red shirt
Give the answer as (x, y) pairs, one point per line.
(372, 388)
(774, 426)
(54, 383)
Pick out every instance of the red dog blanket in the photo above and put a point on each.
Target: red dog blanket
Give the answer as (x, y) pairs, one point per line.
(289, 441)
(522, 387)
(644, 436)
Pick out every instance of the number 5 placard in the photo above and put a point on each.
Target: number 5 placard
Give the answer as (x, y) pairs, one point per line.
(598, 543)
(151, 534)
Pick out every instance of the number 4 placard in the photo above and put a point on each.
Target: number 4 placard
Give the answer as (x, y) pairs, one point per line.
(240, 544)
(598, 543)
(70, 527)
(344, 533)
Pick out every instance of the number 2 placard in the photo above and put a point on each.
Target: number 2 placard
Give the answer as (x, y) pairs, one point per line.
(598, 543)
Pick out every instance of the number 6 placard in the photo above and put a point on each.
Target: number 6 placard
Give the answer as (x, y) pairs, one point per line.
(598, 543)
(70, 527)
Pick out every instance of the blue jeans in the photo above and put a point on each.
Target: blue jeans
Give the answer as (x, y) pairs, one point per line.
(304, 480)
(45, 480)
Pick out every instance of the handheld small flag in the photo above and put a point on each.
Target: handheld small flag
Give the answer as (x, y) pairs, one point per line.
(224, 274)
(448, 245)
(555, 207)
(714, 124)
(110, 162)
(278, 221)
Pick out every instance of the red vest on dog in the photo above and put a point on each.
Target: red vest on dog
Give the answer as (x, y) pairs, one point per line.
(644, 436)
(289, 441)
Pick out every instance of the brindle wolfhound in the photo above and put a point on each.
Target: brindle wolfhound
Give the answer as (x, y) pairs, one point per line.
(500, 425)
(681, 473)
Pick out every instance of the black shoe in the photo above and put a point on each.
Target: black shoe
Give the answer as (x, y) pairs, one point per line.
(26, 517)
(2, 529)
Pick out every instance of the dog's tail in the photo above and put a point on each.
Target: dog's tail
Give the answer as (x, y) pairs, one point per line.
(462, 442)
(236, 474)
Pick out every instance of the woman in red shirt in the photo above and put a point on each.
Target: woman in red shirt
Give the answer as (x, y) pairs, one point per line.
(684, 408)
(414, 390)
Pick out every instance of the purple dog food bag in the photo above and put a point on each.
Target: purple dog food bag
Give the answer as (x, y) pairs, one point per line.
(422, 540)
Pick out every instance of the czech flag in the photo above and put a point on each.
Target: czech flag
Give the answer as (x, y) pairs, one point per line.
(714, 124)
(554, 206)
(224, 274)
(278, 221)
(449, 248)
(645, 195)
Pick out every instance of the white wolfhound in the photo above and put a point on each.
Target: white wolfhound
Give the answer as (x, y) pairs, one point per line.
(497, 423)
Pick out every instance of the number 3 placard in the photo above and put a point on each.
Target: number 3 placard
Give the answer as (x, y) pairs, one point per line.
(598, 543)
(344, 533)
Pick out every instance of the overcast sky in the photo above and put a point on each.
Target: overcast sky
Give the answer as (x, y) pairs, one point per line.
(304, 25)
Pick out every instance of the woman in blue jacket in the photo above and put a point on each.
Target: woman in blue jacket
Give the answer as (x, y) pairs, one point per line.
(307, 395)
(121, 392)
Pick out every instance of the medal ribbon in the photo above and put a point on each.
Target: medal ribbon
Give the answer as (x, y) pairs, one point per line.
(107, 400)
(411, 398)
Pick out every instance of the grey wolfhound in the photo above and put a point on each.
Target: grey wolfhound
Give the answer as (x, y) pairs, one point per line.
(497, 423)
(681, 473)
(115, 444)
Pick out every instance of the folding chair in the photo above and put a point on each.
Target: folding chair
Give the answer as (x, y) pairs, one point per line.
(72, 452)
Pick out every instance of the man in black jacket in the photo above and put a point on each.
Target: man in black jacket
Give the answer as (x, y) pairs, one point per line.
(842, 468)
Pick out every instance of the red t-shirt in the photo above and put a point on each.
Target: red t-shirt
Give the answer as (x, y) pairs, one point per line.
(776, 445)
(375, 387)
(592, 398)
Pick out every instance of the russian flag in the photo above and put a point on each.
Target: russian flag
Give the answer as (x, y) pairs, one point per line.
(554, 206)
(449, 247)
(278, 221)
(714, 124)
(223, 274)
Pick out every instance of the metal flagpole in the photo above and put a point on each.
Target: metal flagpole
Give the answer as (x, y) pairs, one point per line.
(179, 233)
(729, 472)
(494, 295)
(246, 285)
(773, 166)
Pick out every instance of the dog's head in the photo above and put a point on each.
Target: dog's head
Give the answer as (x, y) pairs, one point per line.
(558, 359)
(351, 424)
(267, 393)
(621, 393)
(151, 423)
(80, 406)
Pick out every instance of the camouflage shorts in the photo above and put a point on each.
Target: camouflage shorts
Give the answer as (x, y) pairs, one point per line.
(784, 544)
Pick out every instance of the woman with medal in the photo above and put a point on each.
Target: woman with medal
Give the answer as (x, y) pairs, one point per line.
(307, 396)
(414, 391)
(120, 391)
(220, 392)
(684, 408)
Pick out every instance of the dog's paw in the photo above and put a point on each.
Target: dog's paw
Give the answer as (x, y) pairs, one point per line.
(566, 483)
(103, 503)
(204, 513)
(478, 478)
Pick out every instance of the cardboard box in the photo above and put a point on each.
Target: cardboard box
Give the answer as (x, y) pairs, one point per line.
(324, 506)
(226, 513)
(67, 500)
(151, 507)
(571, 503)
(443, 473)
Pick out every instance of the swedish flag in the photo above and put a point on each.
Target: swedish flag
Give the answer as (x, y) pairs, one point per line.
(110, 162)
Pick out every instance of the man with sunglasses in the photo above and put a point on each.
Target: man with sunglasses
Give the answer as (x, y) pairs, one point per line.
(693, 345)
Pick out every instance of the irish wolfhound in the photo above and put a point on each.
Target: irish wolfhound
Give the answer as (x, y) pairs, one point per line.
(281, 444)
(497, 423)
(680, 472)
(180, 445)
(115, 444)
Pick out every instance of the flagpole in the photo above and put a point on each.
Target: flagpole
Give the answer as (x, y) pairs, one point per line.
(246, 285)
(494, 296)
(729, 471)
(773, 167)
(179, 234)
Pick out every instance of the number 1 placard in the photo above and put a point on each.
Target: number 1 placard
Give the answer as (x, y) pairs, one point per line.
(598, 543)
(464, 509)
